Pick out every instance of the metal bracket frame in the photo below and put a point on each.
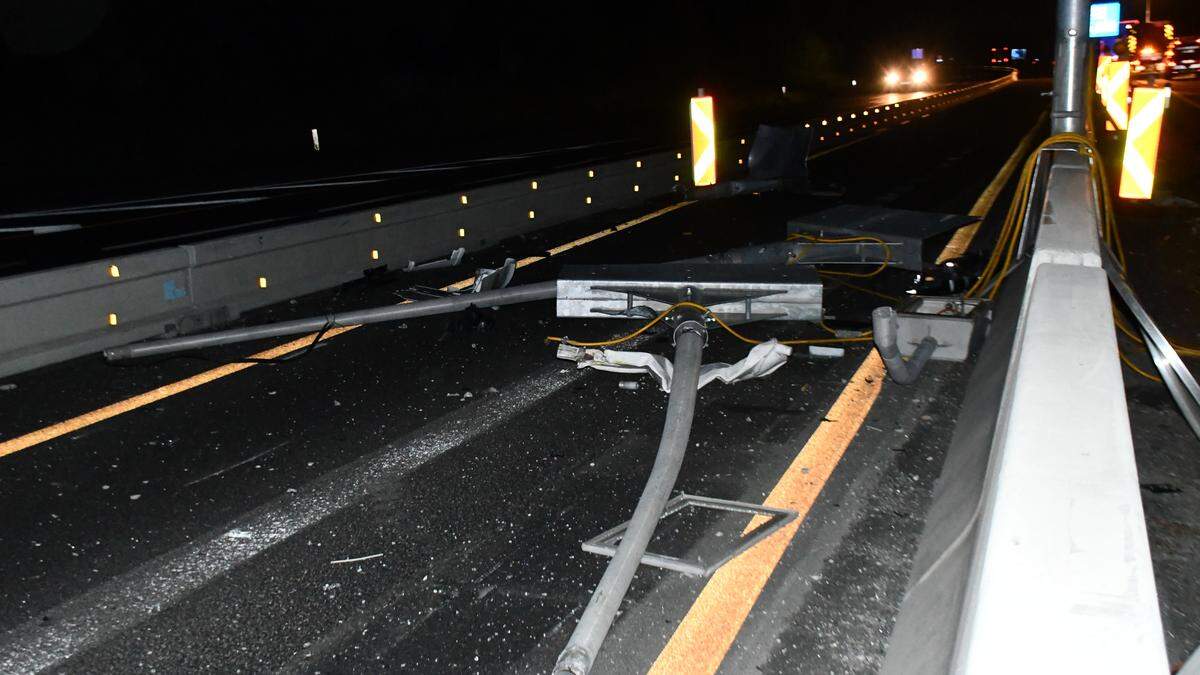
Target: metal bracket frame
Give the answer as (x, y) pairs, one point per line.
(606, 542)
(1175, 375)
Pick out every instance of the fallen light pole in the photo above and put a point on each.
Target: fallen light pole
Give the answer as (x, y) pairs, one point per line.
(772, 282)
(504, 296)
(690, 337)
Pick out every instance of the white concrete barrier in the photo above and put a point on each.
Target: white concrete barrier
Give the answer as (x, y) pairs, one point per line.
(1035, 557)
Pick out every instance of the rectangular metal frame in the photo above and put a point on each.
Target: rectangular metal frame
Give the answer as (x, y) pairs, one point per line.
(956, 334)
(606, 542)
(751, 292)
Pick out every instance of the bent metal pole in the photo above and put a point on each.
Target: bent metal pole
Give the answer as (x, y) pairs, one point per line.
(580, 652)
(505, 296)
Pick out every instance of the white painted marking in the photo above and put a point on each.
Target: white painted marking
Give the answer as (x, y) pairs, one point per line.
(127, 600)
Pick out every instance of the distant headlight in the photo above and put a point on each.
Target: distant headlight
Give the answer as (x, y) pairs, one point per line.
(920, 76)
(891, 78)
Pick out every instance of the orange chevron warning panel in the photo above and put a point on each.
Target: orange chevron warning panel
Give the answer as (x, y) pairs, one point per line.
(704, 142)
(1114, 92)
(1141, 142)
(1102, 72)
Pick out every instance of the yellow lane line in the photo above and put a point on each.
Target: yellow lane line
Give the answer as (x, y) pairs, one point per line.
(78, 422)
(702, 639)
(958, 244)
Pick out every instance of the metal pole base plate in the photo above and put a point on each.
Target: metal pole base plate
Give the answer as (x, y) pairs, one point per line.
(606, 542)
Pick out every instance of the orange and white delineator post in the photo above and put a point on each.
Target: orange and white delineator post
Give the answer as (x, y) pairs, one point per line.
(704, 141)
(1141, 142)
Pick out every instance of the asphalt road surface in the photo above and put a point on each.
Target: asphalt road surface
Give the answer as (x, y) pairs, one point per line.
(413, 496)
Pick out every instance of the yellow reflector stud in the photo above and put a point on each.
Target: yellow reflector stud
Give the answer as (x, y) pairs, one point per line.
(114, 271)
(379, 217)
(636, 188)
(532, 215)
(262, 282)
(463, 199)
(679, 155)
(1141, 142)
(591, 173)
(112, 319)
(462, 232)
(676, 178)
(704, 141)
(587, 200)
(638, 164)
(533, 185)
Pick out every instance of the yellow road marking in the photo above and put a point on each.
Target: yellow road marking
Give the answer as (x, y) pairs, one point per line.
(146, 398)
(958, 244)
(704, 636)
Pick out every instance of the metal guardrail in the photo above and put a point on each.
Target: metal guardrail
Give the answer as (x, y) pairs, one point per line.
(58, 314)
(1035, 557)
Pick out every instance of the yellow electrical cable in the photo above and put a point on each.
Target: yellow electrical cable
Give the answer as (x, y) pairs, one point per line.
(1182, 350)
(709, 313)
(1008, 237)
(1126, 360)
(887, 253)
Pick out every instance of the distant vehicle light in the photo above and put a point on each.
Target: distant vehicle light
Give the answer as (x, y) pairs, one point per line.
(920, 76)
(891, 78)
(1148, 51)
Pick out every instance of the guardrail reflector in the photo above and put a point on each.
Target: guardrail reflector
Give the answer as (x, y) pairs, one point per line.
(1114, 92)
(704, 141)
(1141, 142)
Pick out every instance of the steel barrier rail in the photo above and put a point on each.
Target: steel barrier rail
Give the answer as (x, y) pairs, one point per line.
(1035, 557)
(58, 314)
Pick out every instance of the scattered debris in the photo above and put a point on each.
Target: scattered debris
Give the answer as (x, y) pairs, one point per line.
(631, 385)
(238, 534)
(9, 386)
(354, 560)
(134, 498)
(826, 352)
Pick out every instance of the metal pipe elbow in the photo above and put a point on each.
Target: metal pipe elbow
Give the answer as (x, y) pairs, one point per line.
(884, 329)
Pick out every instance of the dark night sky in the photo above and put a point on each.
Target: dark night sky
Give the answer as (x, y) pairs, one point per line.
(93, 87)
